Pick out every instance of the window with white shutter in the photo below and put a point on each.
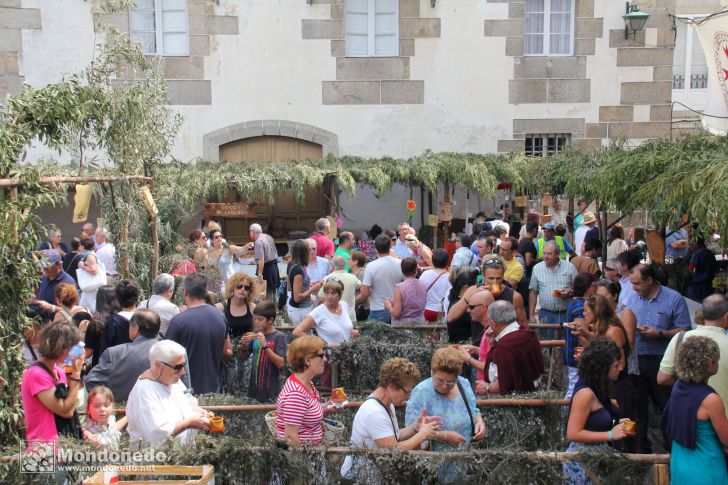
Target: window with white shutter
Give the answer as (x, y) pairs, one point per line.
(161, 26)
(372, 28)
(548, 27)
(689, 68)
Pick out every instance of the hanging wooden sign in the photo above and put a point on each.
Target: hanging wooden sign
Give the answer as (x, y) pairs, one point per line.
(521, 201)
(547, 200)
(148, 200)
(228, 209)
(445, 211)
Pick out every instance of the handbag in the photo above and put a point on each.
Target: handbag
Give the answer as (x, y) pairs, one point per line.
(64, 426)
(91, 282)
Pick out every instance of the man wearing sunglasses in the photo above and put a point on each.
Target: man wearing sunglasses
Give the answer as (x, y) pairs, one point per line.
(160, 405)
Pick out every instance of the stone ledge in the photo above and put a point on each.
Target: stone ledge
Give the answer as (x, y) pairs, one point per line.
(322, 29)
(403, 92)
(549, 125)
(20, 18)
(511, 146)
(371, 68)
(419, 28)
(658, 92)
(11, 40)
(549, 67)
(214, 24)
(351, 92)
(640, 56)
(503, 28)
(189, 92)
(616, 113)
(639, 130)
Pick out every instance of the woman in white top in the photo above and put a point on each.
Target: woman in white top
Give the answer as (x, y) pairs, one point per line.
(220, 255)
(375, 423)
(331, 319)
(615, 242)
(89, 263)
(438, 285)
(159, 406)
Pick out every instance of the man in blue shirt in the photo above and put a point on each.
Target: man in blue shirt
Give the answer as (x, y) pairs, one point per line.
(400, 248)
(53, 275)
(676, 243)
(661, 313)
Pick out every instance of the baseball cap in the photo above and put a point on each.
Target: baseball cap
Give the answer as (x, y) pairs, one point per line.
(549, 226)
(51, 257)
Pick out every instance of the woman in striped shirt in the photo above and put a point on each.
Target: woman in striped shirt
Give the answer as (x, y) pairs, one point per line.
(299, 410)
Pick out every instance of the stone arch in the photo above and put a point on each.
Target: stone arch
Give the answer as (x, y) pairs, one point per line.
(212, 141)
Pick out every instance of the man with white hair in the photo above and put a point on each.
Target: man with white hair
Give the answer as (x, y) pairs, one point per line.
(106, 253)
(266, 259)
(515, 360)
(159, 406)
(400, 247)
(351, 284)
(324, 245)
(160, 302)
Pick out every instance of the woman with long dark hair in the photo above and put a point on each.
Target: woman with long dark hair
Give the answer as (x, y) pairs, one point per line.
(106, 305)
(592, 417)
(459, 323)
(299, 284)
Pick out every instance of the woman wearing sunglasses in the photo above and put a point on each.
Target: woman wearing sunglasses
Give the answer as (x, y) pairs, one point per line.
(159, 405)
(238, 305)
(447, 394)
(220, 255)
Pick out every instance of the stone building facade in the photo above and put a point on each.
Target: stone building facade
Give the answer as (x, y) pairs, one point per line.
(378, 77)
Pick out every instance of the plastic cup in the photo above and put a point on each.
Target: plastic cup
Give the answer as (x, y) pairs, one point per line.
(556, 294)
(217, 424)
(630, 427)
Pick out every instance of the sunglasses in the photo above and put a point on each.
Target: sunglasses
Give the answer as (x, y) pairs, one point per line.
(320, 355)
(177, 367)
(217, 236)
(242, 287)
(473, 307)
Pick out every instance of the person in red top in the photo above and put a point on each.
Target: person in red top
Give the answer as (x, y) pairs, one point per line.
(299, 412)
(324, 245)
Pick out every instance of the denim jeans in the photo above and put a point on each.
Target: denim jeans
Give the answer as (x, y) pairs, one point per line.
(380, 315)
(546, 316)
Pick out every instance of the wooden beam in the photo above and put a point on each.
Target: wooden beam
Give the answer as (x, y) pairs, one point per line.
(75, 180)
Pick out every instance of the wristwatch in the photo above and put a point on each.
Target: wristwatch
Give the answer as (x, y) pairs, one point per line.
(662, 335)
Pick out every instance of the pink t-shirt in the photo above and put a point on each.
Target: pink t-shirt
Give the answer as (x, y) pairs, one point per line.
(40, 422)
(483, 352)
(324, 245)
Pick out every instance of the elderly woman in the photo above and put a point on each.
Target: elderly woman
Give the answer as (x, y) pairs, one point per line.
(299, 283)
(318, 267)
(159, 406)
(238, 305)
(447, 394)
(375, 423)
(410, 296)
(695, 417)
(592, 417)
(331, 319)
(299, 412)
(49, 399)
(53, 242)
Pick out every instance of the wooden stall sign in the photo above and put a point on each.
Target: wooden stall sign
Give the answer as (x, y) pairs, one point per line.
(521, 201)
(446, 211)
(229, 209)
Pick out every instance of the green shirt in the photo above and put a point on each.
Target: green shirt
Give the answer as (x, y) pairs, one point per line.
(344, 253)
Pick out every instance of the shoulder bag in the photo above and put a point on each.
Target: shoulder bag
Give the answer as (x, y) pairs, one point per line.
(91, 282)
(64, 426)
(467, 406)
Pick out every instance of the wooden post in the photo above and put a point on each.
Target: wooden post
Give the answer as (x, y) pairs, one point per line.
(124, 237)
(446, 200)
(661, 474)
(603, 233)
(155, 245)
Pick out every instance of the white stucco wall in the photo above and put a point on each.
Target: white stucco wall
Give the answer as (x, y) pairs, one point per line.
(269, 72)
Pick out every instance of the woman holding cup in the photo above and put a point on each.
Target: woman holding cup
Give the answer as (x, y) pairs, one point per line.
(592, 417)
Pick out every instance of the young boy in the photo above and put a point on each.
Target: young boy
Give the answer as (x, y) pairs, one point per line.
(268, 347)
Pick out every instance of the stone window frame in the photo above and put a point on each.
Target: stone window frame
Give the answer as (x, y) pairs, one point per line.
(546, 33)
(371, 33)
(544, 151)
(159, 32)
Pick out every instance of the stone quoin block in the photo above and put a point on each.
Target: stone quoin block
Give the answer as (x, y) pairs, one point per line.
(569, 90)
(659, 92)
(322, 29)
(371, 68)
(416, 28)
(403, 92)
(616, 113)
(527, 91)
(351, 92)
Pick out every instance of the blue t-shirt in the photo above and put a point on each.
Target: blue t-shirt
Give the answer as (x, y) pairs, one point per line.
(666, 311)
(202, 331)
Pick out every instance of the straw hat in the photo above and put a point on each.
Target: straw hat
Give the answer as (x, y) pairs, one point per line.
(589, 217)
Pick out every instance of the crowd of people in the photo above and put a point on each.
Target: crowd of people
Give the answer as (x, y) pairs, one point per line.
(626, 336)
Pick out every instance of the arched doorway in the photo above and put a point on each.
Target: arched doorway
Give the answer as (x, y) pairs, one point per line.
(285, 215)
